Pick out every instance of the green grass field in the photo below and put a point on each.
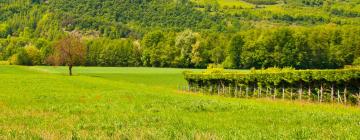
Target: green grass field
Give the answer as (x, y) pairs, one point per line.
(230, 3)
(143, 103)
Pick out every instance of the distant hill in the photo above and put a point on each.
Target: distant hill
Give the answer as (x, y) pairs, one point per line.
(41, 22)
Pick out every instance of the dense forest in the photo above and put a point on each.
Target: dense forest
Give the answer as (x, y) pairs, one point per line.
(186, 33)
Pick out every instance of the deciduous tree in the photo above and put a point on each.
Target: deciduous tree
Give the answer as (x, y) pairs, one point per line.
(233, 59)
(69, 51)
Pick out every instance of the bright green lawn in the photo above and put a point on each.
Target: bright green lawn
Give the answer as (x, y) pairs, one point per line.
(142, 103)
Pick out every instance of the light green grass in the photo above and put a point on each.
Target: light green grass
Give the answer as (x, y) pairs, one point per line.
(229, 3)
(236, 3)
(4, 63)
(142, 103)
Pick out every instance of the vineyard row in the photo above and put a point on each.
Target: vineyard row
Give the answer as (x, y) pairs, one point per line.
(341, 86)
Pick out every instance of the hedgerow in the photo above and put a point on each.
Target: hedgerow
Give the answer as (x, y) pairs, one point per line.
(342, 85)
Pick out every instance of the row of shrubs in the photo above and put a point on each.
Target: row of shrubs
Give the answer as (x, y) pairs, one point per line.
(343, 84)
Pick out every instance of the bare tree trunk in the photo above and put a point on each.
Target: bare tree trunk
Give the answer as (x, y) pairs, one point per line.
(283, 92)
(229, 89)
(70, 70)
(275, 92)
(321, 92)
(332, 93)
(260, 91)
(247, 90)
(301, 91)
(339, 97)
(318, 95)
(254, 90)
(189, 86)
(309, 93)
(240, 90)
(223, 87)
(235, 92)
(345, 90)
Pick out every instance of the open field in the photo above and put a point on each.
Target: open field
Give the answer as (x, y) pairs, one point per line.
(230, 3)
(143, 103)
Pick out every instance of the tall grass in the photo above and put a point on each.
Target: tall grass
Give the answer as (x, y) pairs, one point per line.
(131, 103)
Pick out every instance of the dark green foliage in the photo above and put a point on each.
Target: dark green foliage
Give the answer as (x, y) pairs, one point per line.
(319, 47)
(4, 30)
(190, 34)
(106, 52)
(21, 58)
(185, 41)
(110, 16)
(347, 10)
(234, 50)
(313, 2)
(357, 61)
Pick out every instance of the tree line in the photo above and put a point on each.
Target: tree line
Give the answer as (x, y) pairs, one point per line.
(321, 47)
(183, 33)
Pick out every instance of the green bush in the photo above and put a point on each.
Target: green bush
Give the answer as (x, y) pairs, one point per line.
(357, 61)
(4, 62)
(20, 58)
(33, 55)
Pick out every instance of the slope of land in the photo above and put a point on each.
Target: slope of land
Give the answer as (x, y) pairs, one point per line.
(302, 34)
(42, 102)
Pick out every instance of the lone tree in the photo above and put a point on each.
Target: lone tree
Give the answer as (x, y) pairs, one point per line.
(69, 51)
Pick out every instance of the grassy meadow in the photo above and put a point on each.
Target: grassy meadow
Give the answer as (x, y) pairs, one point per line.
(143, 103)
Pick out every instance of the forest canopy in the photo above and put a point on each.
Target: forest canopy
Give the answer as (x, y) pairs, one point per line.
(186, 33)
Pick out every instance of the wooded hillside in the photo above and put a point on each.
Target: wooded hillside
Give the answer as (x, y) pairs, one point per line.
(186, 33)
